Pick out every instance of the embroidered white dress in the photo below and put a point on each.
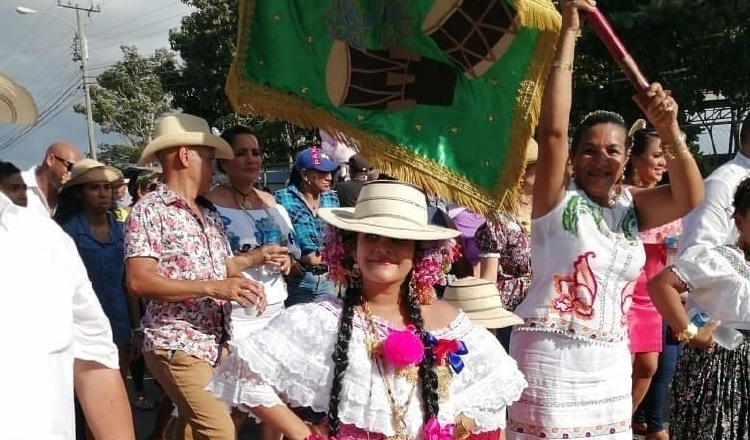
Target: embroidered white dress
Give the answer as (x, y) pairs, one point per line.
(573, 347)
(291, 357)
(244, 231)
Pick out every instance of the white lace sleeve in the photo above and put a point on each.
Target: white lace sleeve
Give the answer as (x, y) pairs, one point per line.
(488, 384)
(289, 357)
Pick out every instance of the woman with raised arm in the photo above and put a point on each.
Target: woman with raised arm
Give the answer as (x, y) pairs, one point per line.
(586, 256)
(388, 360)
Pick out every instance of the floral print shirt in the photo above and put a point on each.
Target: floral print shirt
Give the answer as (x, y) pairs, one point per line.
(162, 226)
(504, 238)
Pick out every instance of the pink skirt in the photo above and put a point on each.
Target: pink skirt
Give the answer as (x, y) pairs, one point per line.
(644, 321)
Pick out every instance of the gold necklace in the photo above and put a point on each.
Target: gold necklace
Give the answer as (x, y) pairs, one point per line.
(398, 412)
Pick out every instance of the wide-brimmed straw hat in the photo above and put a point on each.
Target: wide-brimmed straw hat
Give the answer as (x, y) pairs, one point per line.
(16, 104)
(480, 300)
(390, 209)
(183, 130)
(89, 170)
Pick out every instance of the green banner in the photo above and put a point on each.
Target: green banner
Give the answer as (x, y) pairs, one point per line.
(440, 93)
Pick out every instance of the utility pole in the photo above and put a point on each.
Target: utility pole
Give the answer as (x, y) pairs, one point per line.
(83, 53)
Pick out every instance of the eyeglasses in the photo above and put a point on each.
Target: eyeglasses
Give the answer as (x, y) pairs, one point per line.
(68, 164)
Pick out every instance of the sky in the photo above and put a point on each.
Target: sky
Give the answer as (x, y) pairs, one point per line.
(36, 50)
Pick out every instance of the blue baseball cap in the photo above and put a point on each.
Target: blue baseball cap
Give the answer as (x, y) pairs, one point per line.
(313, 158)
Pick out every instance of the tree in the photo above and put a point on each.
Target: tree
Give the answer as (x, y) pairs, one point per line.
(206, 44)
(693, 47)
(129, 99)
(119, 155)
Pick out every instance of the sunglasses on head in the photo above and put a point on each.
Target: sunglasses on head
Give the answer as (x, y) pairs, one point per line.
(68, 164)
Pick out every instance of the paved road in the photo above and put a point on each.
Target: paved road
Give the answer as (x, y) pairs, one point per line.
(144, 420)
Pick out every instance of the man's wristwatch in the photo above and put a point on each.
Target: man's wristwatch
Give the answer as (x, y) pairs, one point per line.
(688, 333)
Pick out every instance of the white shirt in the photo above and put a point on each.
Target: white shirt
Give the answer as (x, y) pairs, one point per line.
(711, 222)
(718, 283)
(50, 316)
(37, 199)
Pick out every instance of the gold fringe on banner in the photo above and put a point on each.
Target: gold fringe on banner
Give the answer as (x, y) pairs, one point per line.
(251, 98)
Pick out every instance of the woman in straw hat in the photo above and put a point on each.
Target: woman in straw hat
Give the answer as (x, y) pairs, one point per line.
(387, 360)
(83, 212)
(504, 244)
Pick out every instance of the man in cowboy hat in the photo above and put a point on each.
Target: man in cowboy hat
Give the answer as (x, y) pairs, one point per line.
(178, 257)
(44, 181)
(67, 340)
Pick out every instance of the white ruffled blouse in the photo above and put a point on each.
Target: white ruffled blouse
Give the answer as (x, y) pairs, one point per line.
(291, 357)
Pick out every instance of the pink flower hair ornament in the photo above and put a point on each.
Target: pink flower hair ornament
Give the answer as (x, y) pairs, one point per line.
(431, 264)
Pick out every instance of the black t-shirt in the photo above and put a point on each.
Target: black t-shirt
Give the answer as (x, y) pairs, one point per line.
(348, 192)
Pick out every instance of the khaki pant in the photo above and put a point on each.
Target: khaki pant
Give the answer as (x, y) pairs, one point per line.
(184, 378)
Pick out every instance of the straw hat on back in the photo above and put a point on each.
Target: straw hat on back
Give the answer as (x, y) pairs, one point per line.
(480, 300)
(389, 209)
(89, 171)
(183, 130)
(16, 104)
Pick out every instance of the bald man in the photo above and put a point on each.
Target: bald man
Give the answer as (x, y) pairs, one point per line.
(44, 181)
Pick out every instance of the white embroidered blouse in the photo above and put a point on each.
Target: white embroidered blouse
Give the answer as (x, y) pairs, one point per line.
(585, 259)
(291, 357)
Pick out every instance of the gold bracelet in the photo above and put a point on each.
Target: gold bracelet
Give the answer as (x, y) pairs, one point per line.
(562, 65)
(672, 149)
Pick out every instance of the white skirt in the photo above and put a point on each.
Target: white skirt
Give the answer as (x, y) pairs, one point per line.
(576, 389)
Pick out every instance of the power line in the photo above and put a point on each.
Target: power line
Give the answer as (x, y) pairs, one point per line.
(51, 113)
(32, 28)
(46, 105)
(97, 42)
(141, 16)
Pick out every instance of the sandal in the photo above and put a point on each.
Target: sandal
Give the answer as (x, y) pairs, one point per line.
(143, 404)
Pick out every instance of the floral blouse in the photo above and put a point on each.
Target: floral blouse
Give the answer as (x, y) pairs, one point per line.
(162, 226)
(504, 238)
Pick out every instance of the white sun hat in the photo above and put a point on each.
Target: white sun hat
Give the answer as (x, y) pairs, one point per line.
(390, 209)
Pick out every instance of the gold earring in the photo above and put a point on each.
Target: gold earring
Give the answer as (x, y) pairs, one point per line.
(637, 179)
(355, 277)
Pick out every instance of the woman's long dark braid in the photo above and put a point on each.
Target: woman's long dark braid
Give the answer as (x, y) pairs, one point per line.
(352, 299)
(427, 374)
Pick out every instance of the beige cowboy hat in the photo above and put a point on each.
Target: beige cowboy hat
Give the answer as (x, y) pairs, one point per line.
(390, 209)
(16, 104)
(532, 151)
(89, 170)
(183, 130)
(480, 300)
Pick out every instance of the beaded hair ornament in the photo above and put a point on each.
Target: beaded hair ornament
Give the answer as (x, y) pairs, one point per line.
(431, 264)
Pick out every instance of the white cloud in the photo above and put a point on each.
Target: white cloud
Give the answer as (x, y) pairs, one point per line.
(36, 51)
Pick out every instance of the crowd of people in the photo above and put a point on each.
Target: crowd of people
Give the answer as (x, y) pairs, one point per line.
(373, 309)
